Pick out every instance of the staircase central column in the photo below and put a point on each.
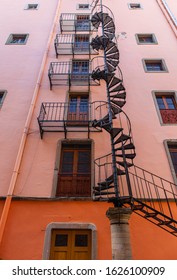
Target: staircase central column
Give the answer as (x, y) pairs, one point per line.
(120, 235)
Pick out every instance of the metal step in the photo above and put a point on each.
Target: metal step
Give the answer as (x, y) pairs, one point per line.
(120, 87)
(119, 95)
(118, 102)
(124, 163)
(122, 138)
(115, 131)
(130, 156)
(126, 147)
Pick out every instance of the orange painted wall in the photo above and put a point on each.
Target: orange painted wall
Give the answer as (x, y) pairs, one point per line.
(27, 222)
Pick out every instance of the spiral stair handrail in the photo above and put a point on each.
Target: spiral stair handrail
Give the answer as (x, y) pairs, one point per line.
(116, 182)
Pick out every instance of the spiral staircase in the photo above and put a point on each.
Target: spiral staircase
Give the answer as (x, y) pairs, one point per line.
(118, 181)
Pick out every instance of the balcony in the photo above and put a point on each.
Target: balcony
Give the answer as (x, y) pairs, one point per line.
(75, 73)
(70, 117)
(70, 22)
(73, 44)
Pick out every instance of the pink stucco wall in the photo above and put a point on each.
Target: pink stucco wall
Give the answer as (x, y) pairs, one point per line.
(19, 68)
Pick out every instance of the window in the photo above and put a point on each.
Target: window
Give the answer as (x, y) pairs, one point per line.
(83, 6)
(74, 177)
(17, 39)
(167, 107)
(144, 39)
(73, 244)
(81, 43)
(80, 70)
(31, 6)
(2, 96)
(82, 22)
(173, 154)
(134, 6)
(78, 113)
(154, 65)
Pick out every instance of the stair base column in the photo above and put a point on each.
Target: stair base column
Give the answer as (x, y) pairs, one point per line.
(120, 234)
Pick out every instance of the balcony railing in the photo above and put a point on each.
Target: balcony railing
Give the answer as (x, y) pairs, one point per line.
(70, 22)
(169, 116)
(75, 73)
(67, 117)
(72, 44)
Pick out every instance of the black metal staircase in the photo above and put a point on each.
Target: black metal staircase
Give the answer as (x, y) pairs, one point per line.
(116, 182)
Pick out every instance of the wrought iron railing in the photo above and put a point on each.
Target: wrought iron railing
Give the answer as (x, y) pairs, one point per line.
(72, 22)
(152, 196)
(73, 44)
(76, 72)
(63, 116)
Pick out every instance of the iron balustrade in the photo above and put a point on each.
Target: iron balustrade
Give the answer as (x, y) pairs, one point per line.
(72, 22)
(66, 116)
(153, 197)
(71, 73)
(73, 44)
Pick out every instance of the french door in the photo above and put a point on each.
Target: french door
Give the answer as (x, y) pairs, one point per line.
(78, 110)
(74, 178)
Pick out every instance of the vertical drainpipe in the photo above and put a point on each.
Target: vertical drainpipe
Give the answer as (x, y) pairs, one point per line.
(15, 173)
(168, 15)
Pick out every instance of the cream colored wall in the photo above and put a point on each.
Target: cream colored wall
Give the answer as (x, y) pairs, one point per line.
(37, 168)
(18, 73)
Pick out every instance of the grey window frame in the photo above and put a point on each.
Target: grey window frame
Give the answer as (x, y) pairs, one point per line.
(3, 92)
(67, 226)
(156, 93)
(31, 9)
(10, 38)
(139, 6)
(138, 35)
(151, 60)
(167, 144)
(79, 8)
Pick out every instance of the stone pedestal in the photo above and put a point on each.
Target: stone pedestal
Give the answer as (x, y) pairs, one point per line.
(120, 235)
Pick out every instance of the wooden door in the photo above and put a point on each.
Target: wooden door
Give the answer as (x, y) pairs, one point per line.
(74, 178)
(70, 245)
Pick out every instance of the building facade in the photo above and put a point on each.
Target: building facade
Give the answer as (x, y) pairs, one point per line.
(88, 113)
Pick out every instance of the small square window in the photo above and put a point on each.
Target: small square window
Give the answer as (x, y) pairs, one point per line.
(154, 65)
(31, 6)
(134, 6)
(83, 6)
(2, 96)
(144, 39)
(17, 39)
